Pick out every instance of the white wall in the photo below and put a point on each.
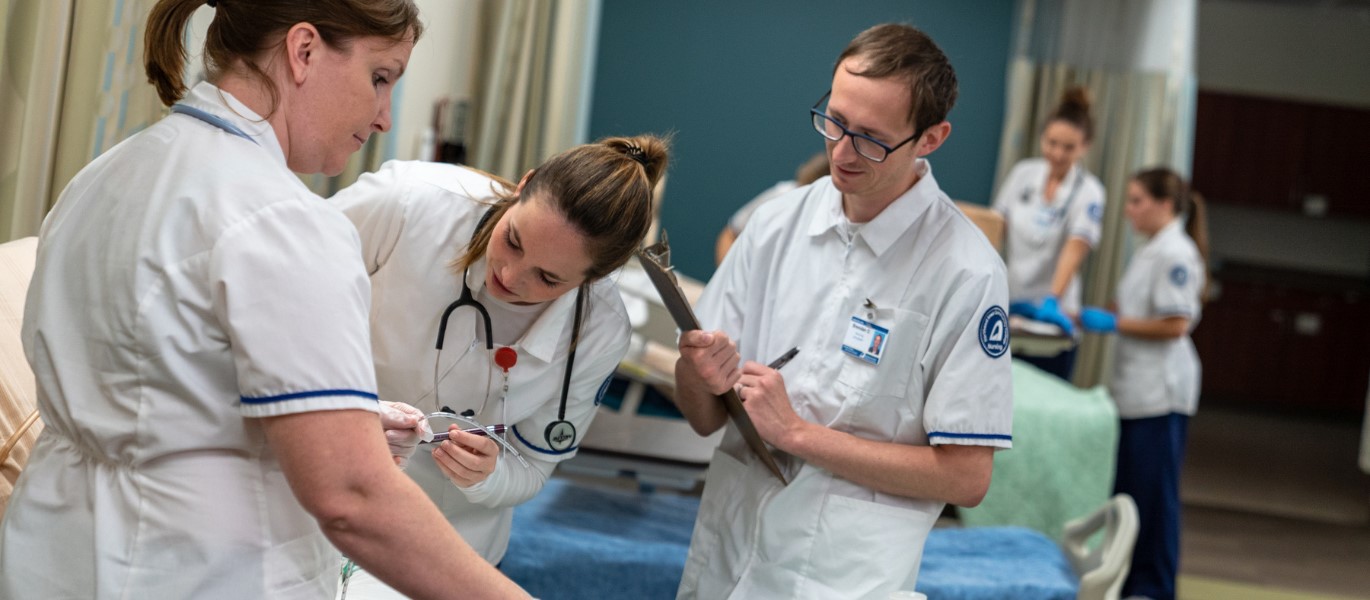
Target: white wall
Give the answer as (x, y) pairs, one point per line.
(1297, 52)
(443, 64)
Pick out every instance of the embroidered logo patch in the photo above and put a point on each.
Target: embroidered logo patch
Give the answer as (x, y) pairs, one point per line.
(994, 332)
(1096, 212)
(1178, 275)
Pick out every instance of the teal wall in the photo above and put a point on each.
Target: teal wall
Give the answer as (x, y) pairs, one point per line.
(734, 80)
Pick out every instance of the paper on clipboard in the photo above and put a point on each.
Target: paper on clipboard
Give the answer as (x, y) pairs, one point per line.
(656, 261)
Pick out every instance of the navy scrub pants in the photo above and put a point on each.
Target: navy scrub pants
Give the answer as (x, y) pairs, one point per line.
(1150, 452)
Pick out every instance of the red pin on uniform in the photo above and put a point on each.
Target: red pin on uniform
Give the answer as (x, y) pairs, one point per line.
(506, 358)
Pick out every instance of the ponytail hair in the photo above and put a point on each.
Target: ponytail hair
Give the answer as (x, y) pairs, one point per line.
(242, 30)
(603, 189)
(1074, 110)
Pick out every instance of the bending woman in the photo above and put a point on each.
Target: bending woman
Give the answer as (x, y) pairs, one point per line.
(513, 279)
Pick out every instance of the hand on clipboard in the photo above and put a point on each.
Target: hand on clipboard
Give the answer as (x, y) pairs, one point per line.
(656, 261)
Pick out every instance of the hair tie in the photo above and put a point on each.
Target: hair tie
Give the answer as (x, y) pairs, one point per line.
(212, 3)
(636, 153)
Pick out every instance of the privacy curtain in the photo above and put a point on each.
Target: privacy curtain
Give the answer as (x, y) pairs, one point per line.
(1136, 57)
(534, 82)
(71, 87)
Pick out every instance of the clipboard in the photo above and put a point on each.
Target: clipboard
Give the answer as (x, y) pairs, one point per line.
(656, 261)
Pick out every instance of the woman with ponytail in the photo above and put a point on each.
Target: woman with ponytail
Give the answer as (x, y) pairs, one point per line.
(1156, 372)
(1054, 211)
(197, 324)
(513, 281)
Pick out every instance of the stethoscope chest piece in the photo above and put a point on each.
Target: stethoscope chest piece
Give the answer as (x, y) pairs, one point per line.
(560, 435)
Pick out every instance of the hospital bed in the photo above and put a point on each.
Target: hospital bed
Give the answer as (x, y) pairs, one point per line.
(585, 539)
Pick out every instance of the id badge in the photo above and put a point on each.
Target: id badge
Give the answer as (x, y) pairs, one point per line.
(866, 340)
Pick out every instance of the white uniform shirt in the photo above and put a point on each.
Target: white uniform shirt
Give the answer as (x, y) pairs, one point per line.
(1165, 278)
(186, 284)
(415, 219)
(795, 280)
(1037, 230)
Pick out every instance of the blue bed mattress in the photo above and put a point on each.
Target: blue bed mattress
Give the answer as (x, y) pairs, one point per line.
(576, 541)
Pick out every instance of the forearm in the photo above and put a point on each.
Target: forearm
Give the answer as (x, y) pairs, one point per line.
(955, 474)
(1164, 328)
(1073, 255)
(511, 483)
(704, 411)
(341, 472)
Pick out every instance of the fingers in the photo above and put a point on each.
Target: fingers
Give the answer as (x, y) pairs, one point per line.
(713, 358)
(466, 459)
(398, 415)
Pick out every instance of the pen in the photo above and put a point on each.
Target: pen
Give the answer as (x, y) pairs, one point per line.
(496, 429)
(784, 358)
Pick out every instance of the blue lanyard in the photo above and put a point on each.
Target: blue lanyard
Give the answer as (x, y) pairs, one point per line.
(214, 120)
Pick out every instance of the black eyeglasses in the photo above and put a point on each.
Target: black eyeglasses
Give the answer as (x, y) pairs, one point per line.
(865, 145)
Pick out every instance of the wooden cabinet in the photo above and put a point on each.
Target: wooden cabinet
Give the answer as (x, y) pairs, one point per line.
(1264, 343)
(1274, 154)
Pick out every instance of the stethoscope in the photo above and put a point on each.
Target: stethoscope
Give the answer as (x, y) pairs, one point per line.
(560, 434)
(1047, 216)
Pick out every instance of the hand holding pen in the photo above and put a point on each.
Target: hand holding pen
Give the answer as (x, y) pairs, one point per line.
(763, 393)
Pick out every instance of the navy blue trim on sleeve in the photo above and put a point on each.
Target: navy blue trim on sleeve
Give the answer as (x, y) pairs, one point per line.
(313, 394)
(1174, 311)
(542, 450)
(971, 436)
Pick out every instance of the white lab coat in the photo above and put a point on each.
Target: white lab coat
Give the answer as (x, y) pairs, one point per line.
(794, 280)
(1164, 278)
(1037, 230)
(187, 284)
(415, 219)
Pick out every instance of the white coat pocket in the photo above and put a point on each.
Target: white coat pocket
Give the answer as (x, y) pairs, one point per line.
(892, 375)
(887, 557)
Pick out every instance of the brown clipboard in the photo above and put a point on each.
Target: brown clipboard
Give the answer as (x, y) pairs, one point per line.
(656, 261)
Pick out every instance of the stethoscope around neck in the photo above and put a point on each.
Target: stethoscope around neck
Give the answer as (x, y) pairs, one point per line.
(560, 434)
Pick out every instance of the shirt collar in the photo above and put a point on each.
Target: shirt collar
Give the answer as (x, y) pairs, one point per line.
(213, 100)
(1175, 228)
(547, 331)
(881, 232)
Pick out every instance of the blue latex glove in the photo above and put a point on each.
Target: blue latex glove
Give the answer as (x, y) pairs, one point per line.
(1098, 320)
(1050, 312)
(1026, 309)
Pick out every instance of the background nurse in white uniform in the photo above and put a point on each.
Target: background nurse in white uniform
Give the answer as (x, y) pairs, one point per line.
(197, 327)
(874, 437)
(1156, 370)
(537, 256)
(1054, 209)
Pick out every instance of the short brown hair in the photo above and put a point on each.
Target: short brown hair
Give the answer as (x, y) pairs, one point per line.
(243, 29)
(902, 51)
(603, 189)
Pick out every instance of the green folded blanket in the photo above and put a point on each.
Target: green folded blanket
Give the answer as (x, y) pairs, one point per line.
(1065, 445)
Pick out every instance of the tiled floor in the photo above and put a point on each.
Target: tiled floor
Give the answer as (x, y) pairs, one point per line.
(1274, 502)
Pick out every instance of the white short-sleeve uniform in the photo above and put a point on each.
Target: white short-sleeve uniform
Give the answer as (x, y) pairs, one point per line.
(187, 284)
(415, 219)
(1165, 278)
(796, 278)
(1037, 230)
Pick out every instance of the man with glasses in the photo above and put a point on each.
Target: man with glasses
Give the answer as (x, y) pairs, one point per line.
(874, 442)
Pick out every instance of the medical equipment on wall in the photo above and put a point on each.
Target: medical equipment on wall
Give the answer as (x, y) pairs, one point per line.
(560, 434)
